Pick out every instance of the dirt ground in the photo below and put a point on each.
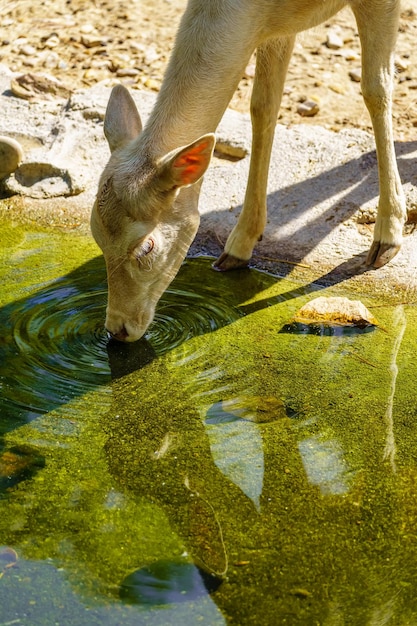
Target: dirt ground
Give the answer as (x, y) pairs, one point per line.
(82, 42)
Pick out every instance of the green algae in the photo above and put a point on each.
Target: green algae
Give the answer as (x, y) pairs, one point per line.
(283, 465)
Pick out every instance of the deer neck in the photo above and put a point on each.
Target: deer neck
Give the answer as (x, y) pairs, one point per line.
(200, 80)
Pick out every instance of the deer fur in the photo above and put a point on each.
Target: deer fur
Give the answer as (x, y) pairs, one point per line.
(146, 216)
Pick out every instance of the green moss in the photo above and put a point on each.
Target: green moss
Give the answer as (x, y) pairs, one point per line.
(281, 464)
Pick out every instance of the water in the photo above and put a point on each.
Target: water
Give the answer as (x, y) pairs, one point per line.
(229, 468)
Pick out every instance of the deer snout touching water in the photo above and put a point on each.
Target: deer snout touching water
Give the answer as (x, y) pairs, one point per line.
(146, 213)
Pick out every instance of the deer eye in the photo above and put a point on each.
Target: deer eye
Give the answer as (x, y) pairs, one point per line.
(145, 248)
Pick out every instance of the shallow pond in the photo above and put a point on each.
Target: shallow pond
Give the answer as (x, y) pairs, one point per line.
(224, 470)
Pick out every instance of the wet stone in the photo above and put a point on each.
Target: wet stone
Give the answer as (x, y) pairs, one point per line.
(335, 310)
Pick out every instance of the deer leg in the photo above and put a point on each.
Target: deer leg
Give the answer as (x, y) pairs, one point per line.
(377, 26)
(271, 67)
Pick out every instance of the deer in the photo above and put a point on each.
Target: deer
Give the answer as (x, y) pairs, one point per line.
(145, 215)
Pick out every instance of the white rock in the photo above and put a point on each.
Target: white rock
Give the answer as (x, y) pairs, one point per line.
(334, 41)
(356, 75)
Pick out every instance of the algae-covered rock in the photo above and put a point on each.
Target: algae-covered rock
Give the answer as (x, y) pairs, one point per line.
(335, 311)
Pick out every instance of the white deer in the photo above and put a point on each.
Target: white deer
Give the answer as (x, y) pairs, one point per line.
(146, 215)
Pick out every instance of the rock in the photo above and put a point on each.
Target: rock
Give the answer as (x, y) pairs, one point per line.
(93, 41)
(151, 55)
(87, 29)
(93, 113)
(309, 108)
(51, 41)
(51, 61)
(337, 88)
(38, 86)
(38, 179)
(28, 50)
(350, 55)
(11, 155)
(127, 71)
(334, 41)
(153, 84)
(230, 148)
(401, 64)
(356, 75)
(336, 311)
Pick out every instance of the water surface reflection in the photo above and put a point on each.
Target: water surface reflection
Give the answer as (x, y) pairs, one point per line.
(219, 471)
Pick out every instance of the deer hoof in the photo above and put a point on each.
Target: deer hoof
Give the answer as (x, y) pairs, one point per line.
(227, 262)
(381, 253)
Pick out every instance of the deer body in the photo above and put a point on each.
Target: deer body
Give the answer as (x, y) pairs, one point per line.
(146, 213)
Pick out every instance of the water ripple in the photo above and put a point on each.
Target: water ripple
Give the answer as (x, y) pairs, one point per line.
(55, 347)
(185, 313)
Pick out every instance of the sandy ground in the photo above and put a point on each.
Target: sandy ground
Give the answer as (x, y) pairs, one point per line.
(82, 42)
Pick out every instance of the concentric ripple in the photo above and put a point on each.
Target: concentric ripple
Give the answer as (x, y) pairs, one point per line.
(58, 348)
(185, 313)
(55, 348)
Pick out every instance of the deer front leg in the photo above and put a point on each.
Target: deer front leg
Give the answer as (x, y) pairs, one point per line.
(271, 68)
(377, 30)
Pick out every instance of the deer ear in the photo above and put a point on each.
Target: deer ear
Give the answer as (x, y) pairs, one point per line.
(122, 121)
(186, 166)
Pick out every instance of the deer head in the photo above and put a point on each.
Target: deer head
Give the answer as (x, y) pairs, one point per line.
(145, 215)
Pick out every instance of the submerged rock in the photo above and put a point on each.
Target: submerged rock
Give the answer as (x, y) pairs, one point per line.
(335, 311)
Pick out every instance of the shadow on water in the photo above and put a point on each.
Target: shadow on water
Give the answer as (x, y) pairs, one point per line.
(55, 333)
(218, 472)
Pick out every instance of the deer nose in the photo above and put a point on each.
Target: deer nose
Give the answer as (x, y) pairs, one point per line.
(121, 334)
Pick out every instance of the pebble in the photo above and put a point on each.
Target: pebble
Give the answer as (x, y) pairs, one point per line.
(151, 55)
(30, 62)
(356, 75)
(93, 41)
(93, 114)
(230, 148)
(334, 41)
(28, 50)
(127, 71)
(20, 41)
(151, 83)
(337, 88)
(52, 41)
(87, 29)
(350, 55)
(309, 108)
(51, 61)
(401, 64)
